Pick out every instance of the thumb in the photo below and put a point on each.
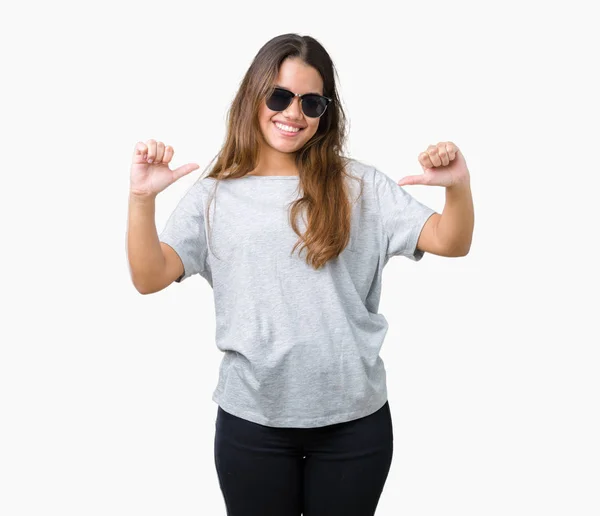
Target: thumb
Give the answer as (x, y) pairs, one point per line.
(183, 170)
(411, 180)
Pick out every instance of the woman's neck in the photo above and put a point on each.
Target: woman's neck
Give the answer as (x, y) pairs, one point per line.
(275, 163)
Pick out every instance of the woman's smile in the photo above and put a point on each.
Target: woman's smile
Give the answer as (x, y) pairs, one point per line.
(286, 130)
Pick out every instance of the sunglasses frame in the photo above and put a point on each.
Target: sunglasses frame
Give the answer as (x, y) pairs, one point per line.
(329, 100)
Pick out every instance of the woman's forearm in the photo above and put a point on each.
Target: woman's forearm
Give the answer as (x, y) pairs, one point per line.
(455, 227)
(146, 259)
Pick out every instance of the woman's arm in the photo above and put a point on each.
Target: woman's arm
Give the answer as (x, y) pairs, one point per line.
(153, 264)
(450, 233)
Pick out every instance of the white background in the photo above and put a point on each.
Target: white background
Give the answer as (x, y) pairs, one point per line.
(492, 359)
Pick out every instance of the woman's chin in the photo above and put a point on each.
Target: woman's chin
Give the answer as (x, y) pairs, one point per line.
(285, 146)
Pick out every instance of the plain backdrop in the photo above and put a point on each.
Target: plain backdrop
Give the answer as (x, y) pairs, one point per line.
(492, 358)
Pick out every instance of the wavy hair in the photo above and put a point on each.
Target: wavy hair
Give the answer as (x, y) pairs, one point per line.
(321, 161)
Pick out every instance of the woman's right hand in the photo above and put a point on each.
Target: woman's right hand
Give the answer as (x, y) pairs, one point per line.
(150, 172)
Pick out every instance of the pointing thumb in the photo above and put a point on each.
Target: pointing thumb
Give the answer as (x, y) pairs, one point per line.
(184, 170)
(411, 180)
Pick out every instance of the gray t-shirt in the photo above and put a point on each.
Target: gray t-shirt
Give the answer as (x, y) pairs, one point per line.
(301, 346)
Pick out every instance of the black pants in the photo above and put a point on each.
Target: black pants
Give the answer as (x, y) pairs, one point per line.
(332, 470)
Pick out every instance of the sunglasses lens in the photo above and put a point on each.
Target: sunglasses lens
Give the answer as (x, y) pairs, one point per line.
(313, 105)
(279, 100)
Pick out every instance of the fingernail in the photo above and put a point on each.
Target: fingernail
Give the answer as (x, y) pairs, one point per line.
(149, 160)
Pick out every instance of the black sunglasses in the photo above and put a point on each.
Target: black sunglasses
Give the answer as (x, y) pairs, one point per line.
(313, 105)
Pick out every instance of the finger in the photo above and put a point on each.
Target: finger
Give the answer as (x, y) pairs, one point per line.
(443, 154)
(451, 150)
(151, 150)
(169, 151)
(160, 152)
(424, 160)
(411, 180)
(433, 156)
(139, 155)
(184, 170)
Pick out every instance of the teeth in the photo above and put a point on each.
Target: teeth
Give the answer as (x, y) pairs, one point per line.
(287, 128)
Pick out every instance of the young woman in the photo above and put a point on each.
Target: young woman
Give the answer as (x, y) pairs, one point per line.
(293, 236)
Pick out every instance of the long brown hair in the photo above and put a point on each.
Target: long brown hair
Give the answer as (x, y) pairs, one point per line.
(321, 162)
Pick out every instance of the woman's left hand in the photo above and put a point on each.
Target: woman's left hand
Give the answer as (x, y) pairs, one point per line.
(443, 165)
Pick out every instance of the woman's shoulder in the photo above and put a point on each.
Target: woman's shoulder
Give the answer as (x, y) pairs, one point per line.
(361, 168)
(370, 176)
(370, 172)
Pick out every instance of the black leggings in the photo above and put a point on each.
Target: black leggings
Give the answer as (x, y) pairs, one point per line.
(332, 470)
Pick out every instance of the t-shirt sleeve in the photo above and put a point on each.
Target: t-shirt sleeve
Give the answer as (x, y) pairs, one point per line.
(402, 216)
(184, 232)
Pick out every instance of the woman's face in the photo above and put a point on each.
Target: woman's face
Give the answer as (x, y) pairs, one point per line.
(298, 77)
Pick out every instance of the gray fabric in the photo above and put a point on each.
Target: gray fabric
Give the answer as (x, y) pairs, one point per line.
(301, 346)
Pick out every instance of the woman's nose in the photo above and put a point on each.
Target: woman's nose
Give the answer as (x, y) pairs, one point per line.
(294, 110)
